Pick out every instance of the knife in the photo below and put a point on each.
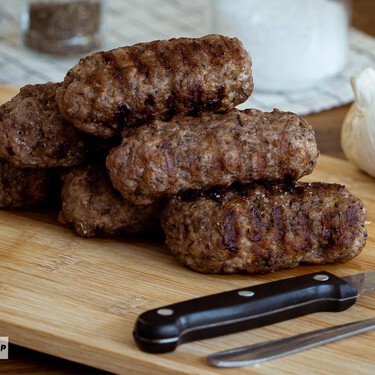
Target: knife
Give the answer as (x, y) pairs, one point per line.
(269, 350)
(162, 329)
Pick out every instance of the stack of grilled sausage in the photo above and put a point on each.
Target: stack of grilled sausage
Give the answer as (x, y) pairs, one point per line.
(150, 134)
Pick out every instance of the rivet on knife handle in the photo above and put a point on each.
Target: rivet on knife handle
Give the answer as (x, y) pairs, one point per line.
(269, 350)
(162, 329)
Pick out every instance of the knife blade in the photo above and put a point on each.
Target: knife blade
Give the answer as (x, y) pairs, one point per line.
(273, 349)
(162, 329)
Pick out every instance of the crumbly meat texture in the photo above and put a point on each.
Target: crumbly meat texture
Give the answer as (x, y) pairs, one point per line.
(108, 91)
(23, 187)
(95, 209)
(258, 228)
(162, 158)
(34, 134)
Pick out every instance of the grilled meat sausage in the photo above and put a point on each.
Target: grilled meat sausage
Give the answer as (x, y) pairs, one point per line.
(262, 228)
(23, 187)
(34, 134)
(124, 87)
(94, 208)
(162, 158)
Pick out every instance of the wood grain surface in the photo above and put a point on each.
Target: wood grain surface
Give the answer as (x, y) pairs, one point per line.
(79, 298)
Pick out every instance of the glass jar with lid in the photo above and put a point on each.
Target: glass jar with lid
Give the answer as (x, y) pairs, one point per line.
(63, 27)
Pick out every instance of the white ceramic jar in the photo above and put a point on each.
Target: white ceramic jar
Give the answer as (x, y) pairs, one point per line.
(294, 44)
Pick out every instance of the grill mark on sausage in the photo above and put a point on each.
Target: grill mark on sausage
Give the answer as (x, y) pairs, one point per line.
(266, 227)
(123, 112)
(196, 104)
(171, 105)
(230, 233)
(211, 150)
(186, 76)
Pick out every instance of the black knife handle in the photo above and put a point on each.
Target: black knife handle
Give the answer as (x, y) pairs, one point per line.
(161, 330)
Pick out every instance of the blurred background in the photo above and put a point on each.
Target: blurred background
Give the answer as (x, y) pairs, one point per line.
(126, 22)
(303, 51)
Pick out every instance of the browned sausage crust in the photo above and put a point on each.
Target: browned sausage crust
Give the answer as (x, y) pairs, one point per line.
(23, 187)
(257, 228)
(33, 133)
(162, 158)
(94, 208)
(126, 86)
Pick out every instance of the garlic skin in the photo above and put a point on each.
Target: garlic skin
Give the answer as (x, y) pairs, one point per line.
(358, 129)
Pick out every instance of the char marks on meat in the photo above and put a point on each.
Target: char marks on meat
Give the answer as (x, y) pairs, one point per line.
(162, 159)
(152, 130)
(127, 86)
(260, 228)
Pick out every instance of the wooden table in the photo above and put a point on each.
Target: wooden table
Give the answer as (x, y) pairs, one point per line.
(327, 125)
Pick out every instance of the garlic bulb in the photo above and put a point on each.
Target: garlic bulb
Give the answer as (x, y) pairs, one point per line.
(358, 130)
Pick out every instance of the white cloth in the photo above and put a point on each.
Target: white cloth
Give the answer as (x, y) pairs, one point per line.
(133, 21)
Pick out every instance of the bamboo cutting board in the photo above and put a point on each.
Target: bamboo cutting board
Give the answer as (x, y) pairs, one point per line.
(79, 298)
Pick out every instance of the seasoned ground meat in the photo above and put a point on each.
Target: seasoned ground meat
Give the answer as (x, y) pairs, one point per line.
(162, 158)
(124, 87)
(34, 134)
(262, 228)
(23, 187)
(94, 208)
